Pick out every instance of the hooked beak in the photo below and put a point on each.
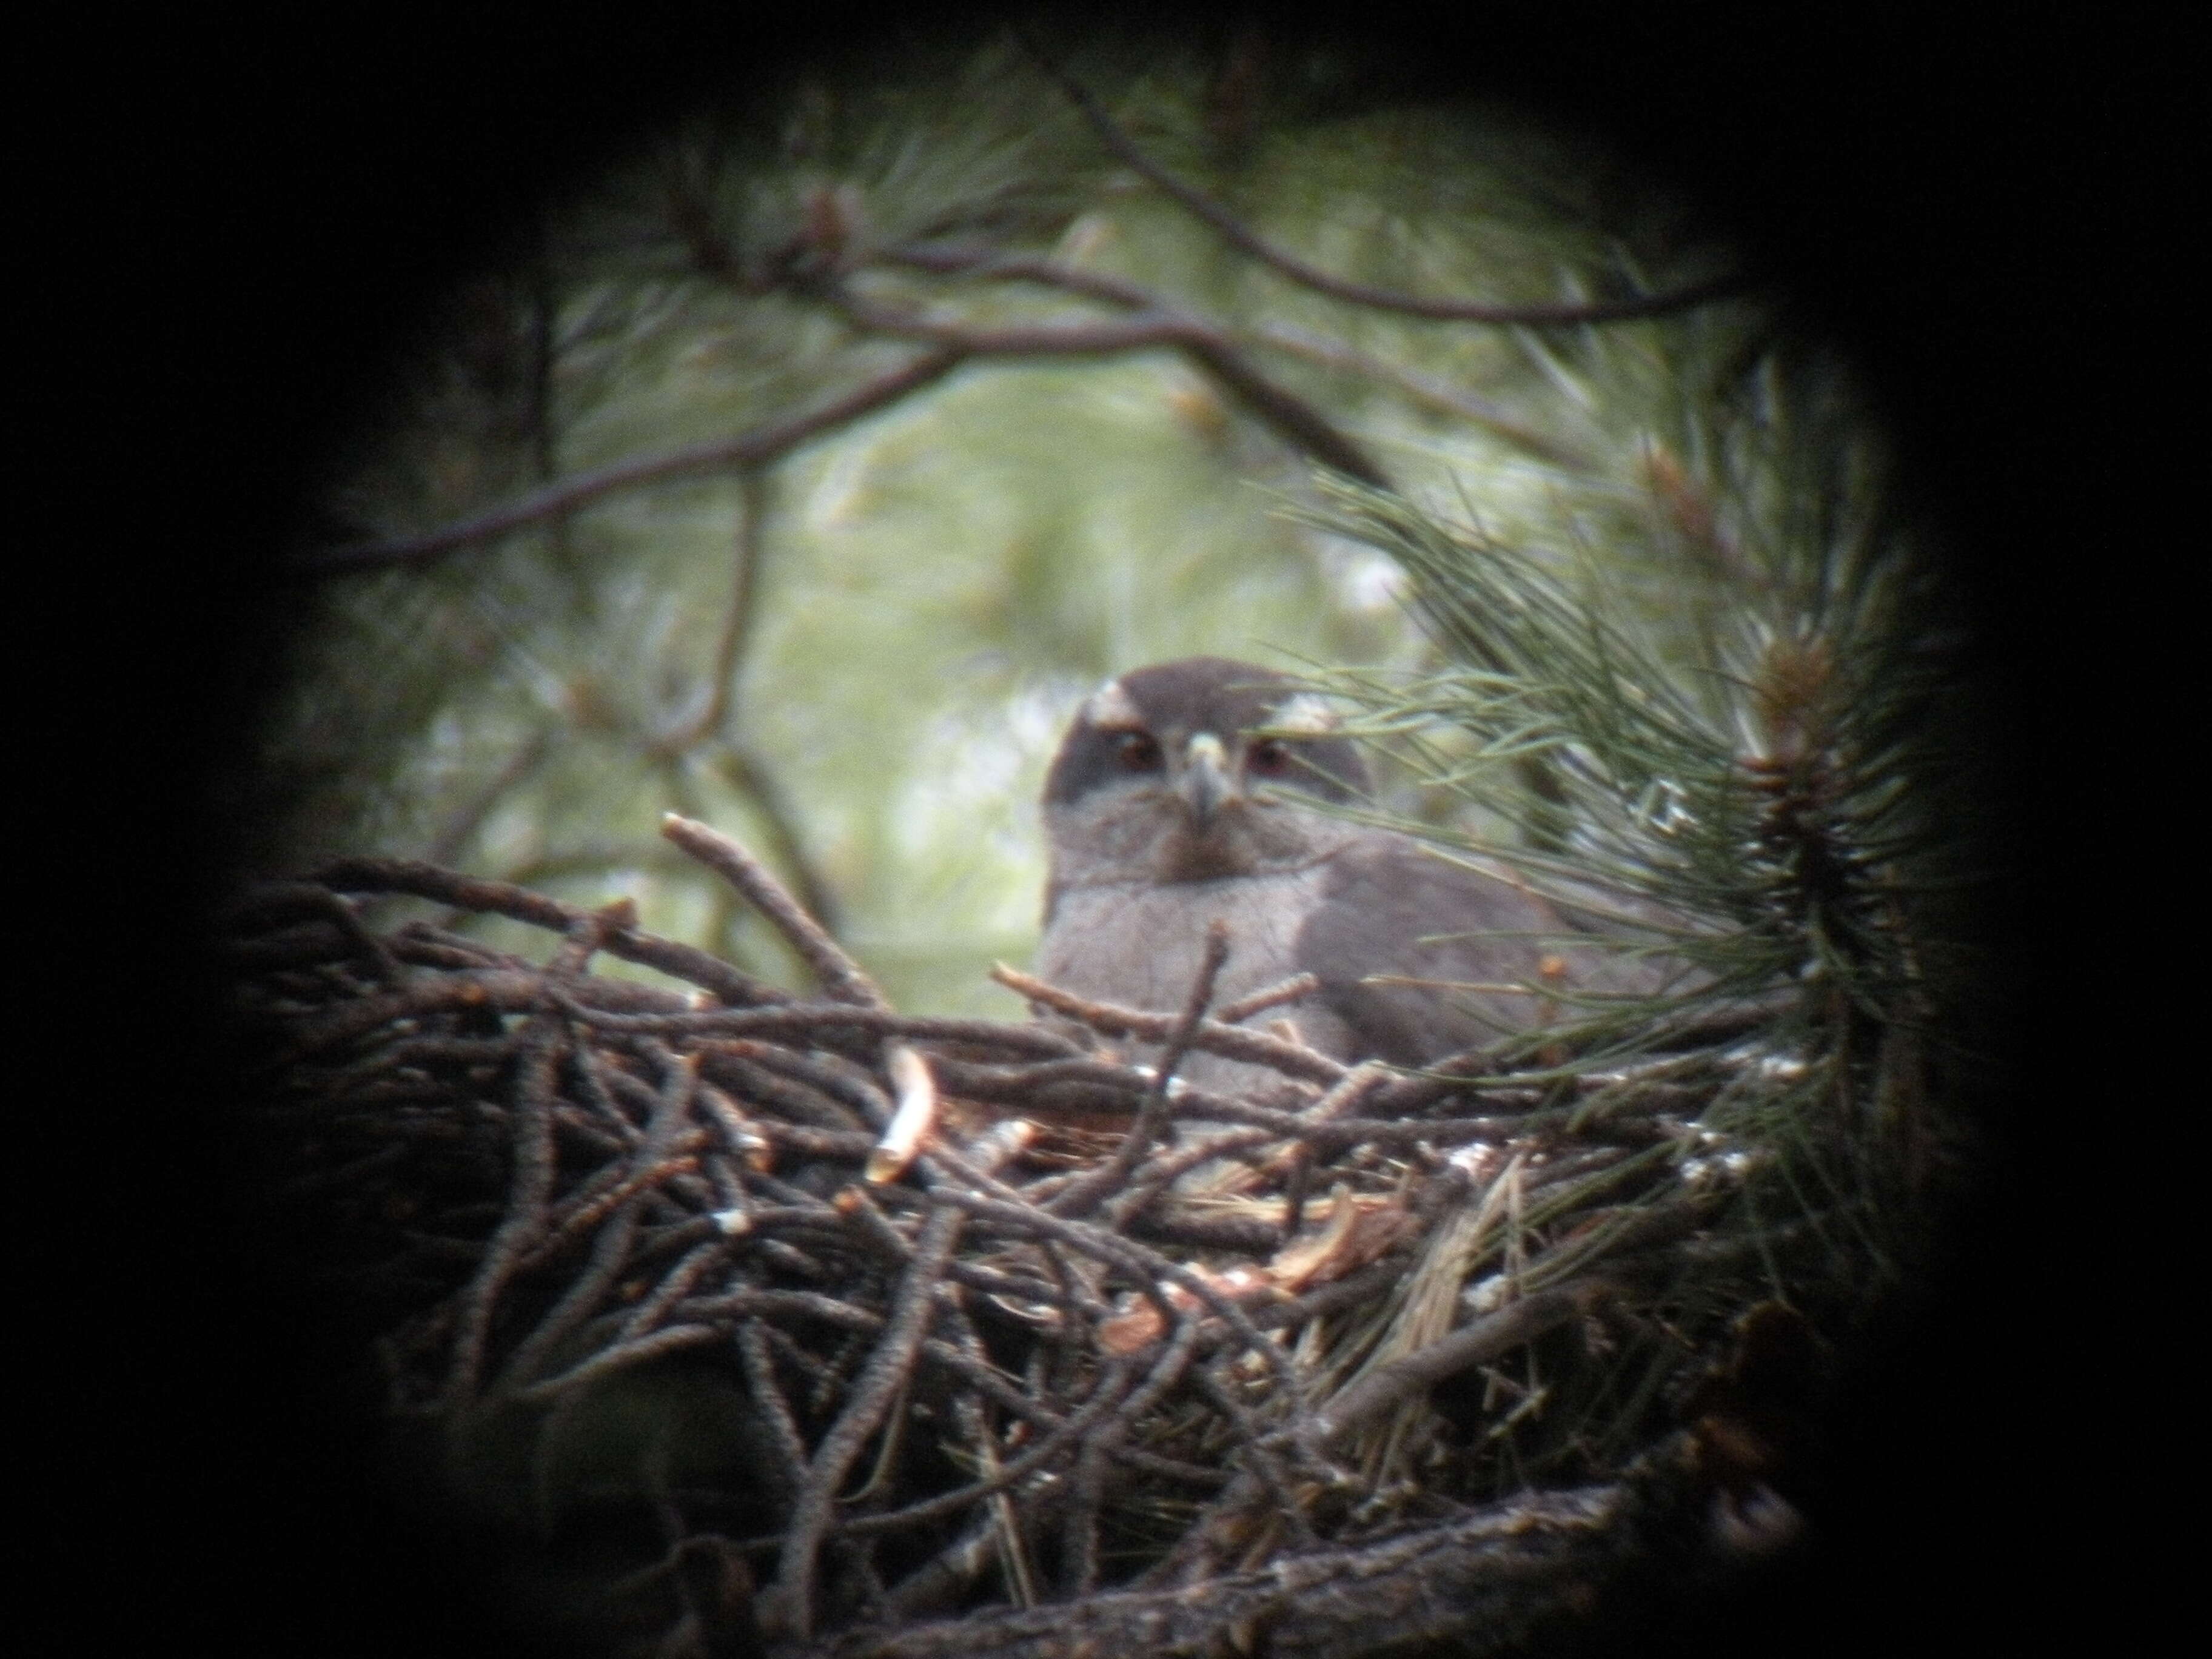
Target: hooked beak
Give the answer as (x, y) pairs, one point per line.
(1205, 783)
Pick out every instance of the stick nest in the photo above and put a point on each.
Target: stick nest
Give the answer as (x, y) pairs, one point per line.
(835, 1327)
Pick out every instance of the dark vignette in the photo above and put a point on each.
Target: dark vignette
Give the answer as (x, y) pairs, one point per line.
(298, 194)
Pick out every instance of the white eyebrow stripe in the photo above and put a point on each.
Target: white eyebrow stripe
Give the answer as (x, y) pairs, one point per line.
(1305, 712)
(1110, 709)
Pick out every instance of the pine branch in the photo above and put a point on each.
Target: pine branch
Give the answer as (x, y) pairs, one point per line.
(1247, 240)
(749, 450)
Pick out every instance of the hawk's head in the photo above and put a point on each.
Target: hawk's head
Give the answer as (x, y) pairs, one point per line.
(1192, 771)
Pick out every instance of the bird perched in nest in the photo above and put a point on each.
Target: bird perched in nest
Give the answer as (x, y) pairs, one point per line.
(1187, 792)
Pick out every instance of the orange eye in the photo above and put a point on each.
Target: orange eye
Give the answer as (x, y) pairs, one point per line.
(1268, 757)
(1137, 753)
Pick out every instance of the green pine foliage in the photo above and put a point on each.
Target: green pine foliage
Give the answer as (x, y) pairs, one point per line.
(856, 656)
(1757, 763)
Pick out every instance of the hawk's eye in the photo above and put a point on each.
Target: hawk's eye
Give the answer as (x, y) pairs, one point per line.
(1137, 753)
(1270, 757)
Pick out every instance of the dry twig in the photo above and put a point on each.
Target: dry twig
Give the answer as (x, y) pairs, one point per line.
(1021, 1342)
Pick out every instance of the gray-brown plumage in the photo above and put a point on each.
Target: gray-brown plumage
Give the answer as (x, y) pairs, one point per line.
(1186, 792)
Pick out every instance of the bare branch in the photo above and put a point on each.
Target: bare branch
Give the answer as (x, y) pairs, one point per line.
(446, 845)
(585, 1175)
(1289, 416)
(1291, 1059)
(1474, 1587)
(1512, 1327)
(1441, 395)
(737, 620)
(889, 1367)
(684, 961)
(1111, 1177)
(1241, 236)
(951, 258)
(843, 978)
(1293, 989)
(749, 449)
(530, 1185)
(744, 770)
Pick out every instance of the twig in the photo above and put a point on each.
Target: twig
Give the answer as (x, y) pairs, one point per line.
(1259, 1458)
(737, 620)
(445, 845)
(424, 880)
(1242, 237)
(1291, 1059)
(1106, 1397)
(671, 1339)
(1080, 1531)
(674, 1284)
(889, 1364)
(1161, 1173)
(1444, 396)
(1150, 1269)
(915, 1117)
(1512, 1327)
(610, 1003)
(748, 449)
(531, 1184)
(1296, 989)
(768, 1394)
(745, 771)
(732, 1063)
(1113, 1174)
(840, 976)
(1290, 416)
(587, 1216)
(610, 1250)
(885, 1378)
(991, 264)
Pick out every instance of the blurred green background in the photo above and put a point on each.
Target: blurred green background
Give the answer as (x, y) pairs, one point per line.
(856, 654)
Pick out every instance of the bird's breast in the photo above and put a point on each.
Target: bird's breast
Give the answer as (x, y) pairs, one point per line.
(1141, 945)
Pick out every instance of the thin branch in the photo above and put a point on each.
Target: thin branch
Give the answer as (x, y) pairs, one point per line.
(624, 1174)
(840, 976)
(1512, 1327)
(1474, 1587)
(446, 845)
(1152, 1272)
(890, 1367)
(888, 1374)
(1289, 416)
(545, 352)
(1241, 236)
(737, 619)
(749, 449)
(1291, 1059)
(425, 880)
(611, 1250)
(530, 1185)
(1111, 1177)
(609, 1002)
(745, 771)
(670, 1339)
(994, 264)
(1441, 396)
(1296, 989)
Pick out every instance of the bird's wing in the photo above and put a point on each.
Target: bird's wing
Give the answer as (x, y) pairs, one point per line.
(1423, 956)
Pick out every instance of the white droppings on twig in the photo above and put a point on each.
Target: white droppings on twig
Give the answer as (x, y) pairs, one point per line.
(916, 1113)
